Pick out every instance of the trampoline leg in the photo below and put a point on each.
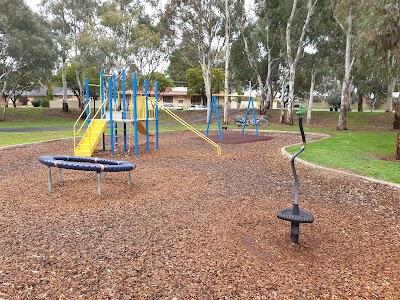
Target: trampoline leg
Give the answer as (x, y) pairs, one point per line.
(59, 175)
(129, 178)
(49, 180)
(99, 183)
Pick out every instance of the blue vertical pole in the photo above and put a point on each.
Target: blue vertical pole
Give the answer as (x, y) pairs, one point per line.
(246, 114)
(102, 104)
(254, 115)
(217, 116)
(87, 100)
(209, 115)
(110, 105)
(116, 105)
(124, 108)
(102, 92)
(218, 120)
(135, 121)
(146, 92)
(156, 96)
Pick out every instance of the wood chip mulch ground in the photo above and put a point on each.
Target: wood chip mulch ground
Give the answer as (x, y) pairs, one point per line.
(193, 226)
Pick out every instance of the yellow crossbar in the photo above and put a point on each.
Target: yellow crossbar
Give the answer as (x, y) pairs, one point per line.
(190, 127)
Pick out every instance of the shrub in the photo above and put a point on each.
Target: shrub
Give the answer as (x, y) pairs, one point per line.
(44, 102)
(36, 102)
(23, 101)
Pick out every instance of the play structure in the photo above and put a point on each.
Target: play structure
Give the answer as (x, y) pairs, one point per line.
(295, 215)
(116, 110)
(243, 120)
(98, 165)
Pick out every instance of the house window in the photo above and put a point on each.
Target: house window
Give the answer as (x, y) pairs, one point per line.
(168, 99)
(180, 101)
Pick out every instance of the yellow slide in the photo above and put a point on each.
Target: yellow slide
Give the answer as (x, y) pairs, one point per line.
(142, 129)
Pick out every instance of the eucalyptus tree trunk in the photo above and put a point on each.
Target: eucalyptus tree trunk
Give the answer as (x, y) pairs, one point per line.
(392, 79)
(345, 101)
(81, 94)
(398, 146)
(389, 97)
(360, 101)
(78, 78)
(206, 69)
(253, 65)
(294, 60)
(310, 100)
(268, 82)
(227, 57)
(396, 122)
(64, 83)
(3, 116)
(282, 112)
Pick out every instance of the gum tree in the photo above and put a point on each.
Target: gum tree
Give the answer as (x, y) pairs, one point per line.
(293, 58)
(200, 22)
(26, 50)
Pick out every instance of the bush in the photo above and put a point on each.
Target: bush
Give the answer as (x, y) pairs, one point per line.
(44, 102)
(36, 102)
(23, 101)
(334, 98)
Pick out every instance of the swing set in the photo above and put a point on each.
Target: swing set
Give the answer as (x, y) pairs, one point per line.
(250, 105)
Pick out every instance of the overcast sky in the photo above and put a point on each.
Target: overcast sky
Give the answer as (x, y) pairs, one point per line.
(33, 4)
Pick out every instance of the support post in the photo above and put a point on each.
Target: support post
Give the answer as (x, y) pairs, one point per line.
(294, 232)
(110, 105)
(146, 93)
(135, 121)
(102, 105)
(59, 175)
(124, 108)
(99, 183)
(156, 97)
(116, 107)
(214, 103)
(87, 100)
(129, 178)
(254, 115)
(49, 179)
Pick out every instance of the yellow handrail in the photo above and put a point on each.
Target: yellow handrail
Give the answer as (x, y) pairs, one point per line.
(83, 123)
(187, 125)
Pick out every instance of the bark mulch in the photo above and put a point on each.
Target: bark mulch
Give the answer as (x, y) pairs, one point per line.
(237, 138)
(193, 226)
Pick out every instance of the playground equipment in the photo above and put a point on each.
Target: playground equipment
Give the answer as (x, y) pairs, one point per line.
(95, 164)
(296, 215)
(108, 114)
(242, 120)
(141, 109)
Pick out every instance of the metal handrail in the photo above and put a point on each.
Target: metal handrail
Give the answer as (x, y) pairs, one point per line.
(86, 119)
(190, 127)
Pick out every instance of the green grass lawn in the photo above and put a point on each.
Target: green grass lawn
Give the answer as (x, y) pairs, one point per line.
(361, 152)
(367, 148)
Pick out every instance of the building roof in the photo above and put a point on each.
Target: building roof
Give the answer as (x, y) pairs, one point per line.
(42, 92)
(174, 93)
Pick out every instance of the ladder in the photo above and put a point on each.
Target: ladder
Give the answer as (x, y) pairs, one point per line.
(91, 138)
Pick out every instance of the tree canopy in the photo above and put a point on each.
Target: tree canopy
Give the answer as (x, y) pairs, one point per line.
(27, 53)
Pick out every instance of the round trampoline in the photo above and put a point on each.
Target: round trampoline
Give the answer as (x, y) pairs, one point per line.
(86, 163)
(81, 163)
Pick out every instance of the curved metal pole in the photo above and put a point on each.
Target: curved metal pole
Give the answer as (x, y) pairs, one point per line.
(296, 179)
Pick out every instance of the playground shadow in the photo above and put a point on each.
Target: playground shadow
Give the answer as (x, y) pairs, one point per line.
(239, 138)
